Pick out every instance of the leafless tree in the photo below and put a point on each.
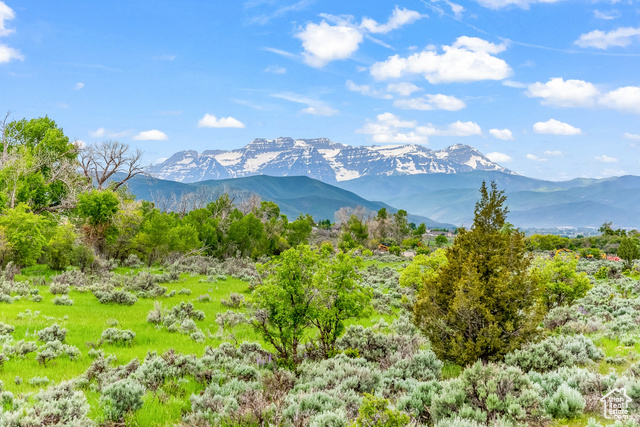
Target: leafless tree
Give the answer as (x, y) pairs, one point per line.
(344, 213)
(101, 161)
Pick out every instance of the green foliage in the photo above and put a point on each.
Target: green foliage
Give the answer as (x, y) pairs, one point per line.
(25, 232)
(483, 302)
(98, 207)
(301, 289)
(555, 352)
(566, 402)
(58, 253)
(120, 398)
(375, 411)
(355, 234)
(441, 240)
(422, 269)
(561, 284)
(488, 394)
(629, 250)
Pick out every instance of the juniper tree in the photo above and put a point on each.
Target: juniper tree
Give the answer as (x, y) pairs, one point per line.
(482, 303)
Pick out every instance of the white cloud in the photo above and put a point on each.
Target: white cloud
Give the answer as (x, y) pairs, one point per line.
(612, 172)
(211, 121)
(554, 127)
(619, 37)
(454, 129)
(324, 43)
(554, 153)
(524, 4)
(560, 93)
(403, 88)
(467, 60)
(275, 69)
(8, 53)
(165, 58)
(498, 157)
(6, 14)
(366, 90)
(607, 15)
(633, 136)
(606, 159)
(625, 99)
(151, 135)
(431, 102)
(98, 133)
(503, 134)
(314, 107)
(536, 158)
(279, 52)
(390, 128)
(514, 84)
(78, 86)
(398, 18)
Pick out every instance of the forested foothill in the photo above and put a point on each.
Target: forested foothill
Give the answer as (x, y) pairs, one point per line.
(115, 312)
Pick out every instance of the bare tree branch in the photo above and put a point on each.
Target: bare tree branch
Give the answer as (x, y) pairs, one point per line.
(101, 161)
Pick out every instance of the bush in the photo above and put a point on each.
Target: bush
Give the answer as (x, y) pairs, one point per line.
(120, 398)
(117, 336)
(565, 403)
(52, 333)
(59, 288)
(116, 297)
(375, 411)
(60, 405)
(488, 394)
(6, 329)
(235, 300)
(555, 352)
(63, 300)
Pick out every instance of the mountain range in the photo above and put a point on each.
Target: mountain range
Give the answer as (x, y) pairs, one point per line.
(320, 159)
(436, 187)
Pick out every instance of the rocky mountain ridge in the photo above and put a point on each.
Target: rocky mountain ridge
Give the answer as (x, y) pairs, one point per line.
(320, 159)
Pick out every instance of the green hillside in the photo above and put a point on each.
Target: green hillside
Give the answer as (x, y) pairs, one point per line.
(294, 195)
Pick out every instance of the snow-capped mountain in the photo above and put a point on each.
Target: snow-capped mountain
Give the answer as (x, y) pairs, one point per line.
(319, 159)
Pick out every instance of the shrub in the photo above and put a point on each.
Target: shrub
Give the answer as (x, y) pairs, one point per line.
(235, 300)
(375, 411)
(418, 401)
(116, 297)
(6, 329)
(184, 291)
(121, 397)
(60, 405)
(52, 333)
(117, 336)
(59, 288)
(157, 313)
(36, 381)
(487, 394)
(565, 403)
(555, 352)
(63, 300)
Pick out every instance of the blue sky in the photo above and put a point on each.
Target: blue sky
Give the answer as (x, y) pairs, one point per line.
(549, 89)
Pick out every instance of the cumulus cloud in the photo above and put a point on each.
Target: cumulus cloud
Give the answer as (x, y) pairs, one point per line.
(398, 18)
(619, 37)
(275, 69)
(6, 14)
(211, 121)
(98, 133)
(403, 88)
(314, 107)
(524, 4)
(390, 128)
(560, 93)
(633, 136)
(78, 86)
(151, 135)
(469, 59)
(625, 99)
(554, 153)
(7, 53)
(324, 43)
(498, 157)
(607, 15)
(503, 134)
(536, 158)
(555, 127)
(606, 159)
(366, 90)
(431, 102)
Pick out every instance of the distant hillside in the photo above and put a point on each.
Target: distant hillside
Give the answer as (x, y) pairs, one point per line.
(532, 202)
(294, 195)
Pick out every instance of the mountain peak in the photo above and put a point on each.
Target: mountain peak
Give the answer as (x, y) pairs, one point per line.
(322, 159)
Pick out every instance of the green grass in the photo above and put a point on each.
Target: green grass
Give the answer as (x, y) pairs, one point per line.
(87, 318)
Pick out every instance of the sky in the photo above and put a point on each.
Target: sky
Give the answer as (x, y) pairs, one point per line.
(547, 88)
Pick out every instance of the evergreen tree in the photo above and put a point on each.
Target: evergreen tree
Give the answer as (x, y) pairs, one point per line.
(483, 301)
(629, 251)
